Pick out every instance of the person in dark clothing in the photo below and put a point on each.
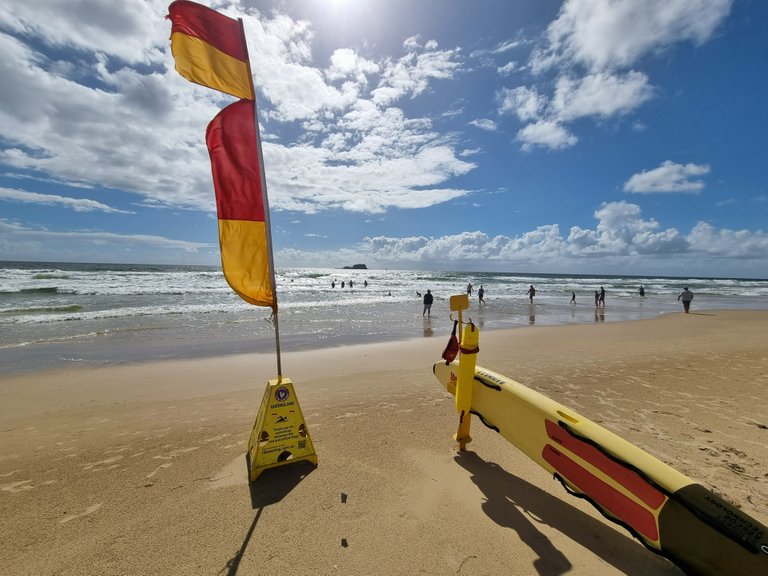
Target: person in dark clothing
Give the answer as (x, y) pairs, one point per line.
(686, 296)
(428, 299)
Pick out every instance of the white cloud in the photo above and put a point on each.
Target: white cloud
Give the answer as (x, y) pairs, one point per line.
(669, 177)
(508, 68)
(600, 94)
(610, 34)
(546, 134)
(506, 46)
(622, 230)
(591, 48)
(706, 239)
(485, 124)
(77, 204)
(621, 237)
(525, 102)
(20, 241)
(104, 123)
(347, 64)
(92, 25)
(412, 73)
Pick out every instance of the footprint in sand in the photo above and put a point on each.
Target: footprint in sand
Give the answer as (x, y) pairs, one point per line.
(88, 511)
(219, 437)
(23, 485)
(175, 453)
(235, 445)
(93, 465)
(19, 486)
(156, 470)
(233, 474)
(385, 405)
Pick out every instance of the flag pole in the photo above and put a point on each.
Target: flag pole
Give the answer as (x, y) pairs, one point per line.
(265, 200)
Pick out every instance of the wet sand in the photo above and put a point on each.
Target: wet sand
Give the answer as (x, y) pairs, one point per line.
(140, 469)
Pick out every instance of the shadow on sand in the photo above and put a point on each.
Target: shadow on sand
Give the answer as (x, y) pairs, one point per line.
(514, 503)
(271, 487)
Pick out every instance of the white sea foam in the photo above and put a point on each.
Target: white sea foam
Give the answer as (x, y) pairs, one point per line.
(72, 304)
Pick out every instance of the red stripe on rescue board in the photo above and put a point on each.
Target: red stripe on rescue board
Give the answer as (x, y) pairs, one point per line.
(628, 478)
(618, 504)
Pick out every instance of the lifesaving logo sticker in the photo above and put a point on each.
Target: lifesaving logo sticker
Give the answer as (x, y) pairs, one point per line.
(282, 394)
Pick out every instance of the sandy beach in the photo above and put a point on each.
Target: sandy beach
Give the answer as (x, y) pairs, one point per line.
(140, 468)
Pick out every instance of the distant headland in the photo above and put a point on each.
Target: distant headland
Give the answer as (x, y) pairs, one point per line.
(356, 267)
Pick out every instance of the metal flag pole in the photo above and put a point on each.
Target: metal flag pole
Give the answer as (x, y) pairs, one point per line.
(265, 200)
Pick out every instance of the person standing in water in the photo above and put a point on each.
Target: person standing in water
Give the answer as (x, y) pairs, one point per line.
(686, 296)
(428, 299)
(480, 294)
(531, 293)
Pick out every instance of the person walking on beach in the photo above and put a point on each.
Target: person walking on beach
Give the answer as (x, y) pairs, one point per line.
(428, 299)
(480, 294)
(531, 293)
(602, 297)
(686, 296)
(469, 289)
(597, 298)
(573, 298)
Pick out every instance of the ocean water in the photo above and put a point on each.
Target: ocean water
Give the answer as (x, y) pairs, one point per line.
(58, 314)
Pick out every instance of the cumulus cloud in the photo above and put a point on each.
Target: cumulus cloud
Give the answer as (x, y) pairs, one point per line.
(591, 48)
(705, 239)
(621, 235)
(669, 177)
(523, 101)
(612, 34)
(546, 133)
(600, 94)
(116, 114)
(92, 25)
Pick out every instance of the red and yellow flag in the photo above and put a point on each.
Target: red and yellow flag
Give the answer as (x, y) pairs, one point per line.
(232, 145)
(209, 48)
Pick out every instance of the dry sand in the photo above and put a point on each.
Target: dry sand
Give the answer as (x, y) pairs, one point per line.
(140, 469)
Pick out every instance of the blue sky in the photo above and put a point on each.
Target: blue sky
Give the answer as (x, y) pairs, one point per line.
(576, 136)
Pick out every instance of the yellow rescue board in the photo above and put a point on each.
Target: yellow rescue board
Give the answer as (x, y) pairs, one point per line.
(667, 511)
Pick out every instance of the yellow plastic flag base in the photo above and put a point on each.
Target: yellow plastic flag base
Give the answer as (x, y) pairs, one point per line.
(280, 435)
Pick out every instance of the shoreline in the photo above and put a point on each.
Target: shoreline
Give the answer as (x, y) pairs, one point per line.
(99, 462)
(97, 352)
